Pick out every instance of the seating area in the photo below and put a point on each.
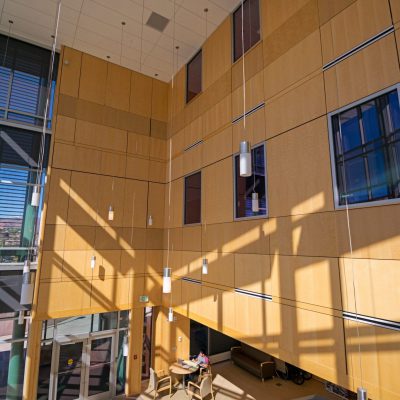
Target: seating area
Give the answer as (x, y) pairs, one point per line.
(231, 382)
(254, 361)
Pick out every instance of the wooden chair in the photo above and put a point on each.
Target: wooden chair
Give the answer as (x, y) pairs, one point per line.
(159, 383)
(205, 371)
(202, 390)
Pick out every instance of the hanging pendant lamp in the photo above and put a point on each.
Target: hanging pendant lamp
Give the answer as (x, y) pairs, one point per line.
(125, 347)
(255, 204)
(204, 268)
(150, 221)
(170, 314)
(27, 286)
(93, 262)
(245, 159)
(35, 196)
(167, 280)
(110, 213)
(362, 394)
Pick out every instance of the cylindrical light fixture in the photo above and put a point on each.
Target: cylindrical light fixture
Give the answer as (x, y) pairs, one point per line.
(204, 267)
(245, 159)
(92, 262)
(35, 196)
(170, 314)
(21, 317)
(362, 394)
(167, 280)
(125, 347)
(150, 221)
(255, 205)
(110, 213)
(27, 285)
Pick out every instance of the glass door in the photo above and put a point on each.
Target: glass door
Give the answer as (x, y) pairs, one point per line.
(84, 369)
(100, 368)
(69, 374)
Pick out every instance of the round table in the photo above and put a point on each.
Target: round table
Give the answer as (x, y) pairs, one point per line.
(178, 369)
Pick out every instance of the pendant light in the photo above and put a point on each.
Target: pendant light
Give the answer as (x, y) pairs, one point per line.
(27, 285)
(170, 314)
(35, 196)
(362, 394)
(93, 262)
(245, 147)
(125, 346)
(167, 280)
(150, 221)
(110, 213)
(204, 268)
(21, 317)
(245, 159)
(255, 205)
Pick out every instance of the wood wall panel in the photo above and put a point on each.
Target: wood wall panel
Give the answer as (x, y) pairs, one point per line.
(65, 128)
(377, 293)
(217, 147)
(328, 9)
(217, 204)
(380, 352)
(302, 180)
(296, 64)
(221, 269)
(156, 204)
(118, 89)
(70, 72)
(141, 94)
(159, 107)
(308, 235)
(352, 26)
(370, 237)
(366, 72)
(135, 204)
(216, 55)
(93, 79)
(300, 105)
(311, 280)
(58, 197)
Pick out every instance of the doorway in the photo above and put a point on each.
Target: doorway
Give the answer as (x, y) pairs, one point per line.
(84, 368)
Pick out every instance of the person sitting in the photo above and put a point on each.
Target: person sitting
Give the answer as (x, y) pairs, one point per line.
(201, 360)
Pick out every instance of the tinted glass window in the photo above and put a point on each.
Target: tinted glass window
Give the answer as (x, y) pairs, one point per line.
(255, 183)
(193, 71)
(366, 139)
(193, 199)
(251, 27)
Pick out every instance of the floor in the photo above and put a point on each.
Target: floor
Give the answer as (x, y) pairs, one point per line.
(233, 383)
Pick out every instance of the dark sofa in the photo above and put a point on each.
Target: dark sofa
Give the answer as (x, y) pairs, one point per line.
(253, 360)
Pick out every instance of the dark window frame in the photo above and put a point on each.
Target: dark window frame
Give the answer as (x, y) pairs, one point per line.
(184, 198)
(235, 217)
(236, 57)
(200, 52)
(337, 155)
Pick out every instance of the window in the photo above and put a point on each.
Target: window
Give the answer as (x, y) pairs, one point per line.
(366, 142)
(251, 27)
(193, 77)
(244, 187)
(193, 199)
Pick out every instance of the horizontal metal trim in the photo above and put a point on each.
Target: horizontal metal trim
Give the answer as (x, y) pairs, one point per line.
(365, 319)
(193, 145)
(262, 296)
(356, 49)
(253, 110)
(191, 280)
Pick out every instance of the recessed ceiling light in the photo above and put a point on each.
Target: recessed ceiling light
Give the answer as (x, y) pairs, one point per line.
(155, 74)
(157, 22)
(108, 56)
(10, 21)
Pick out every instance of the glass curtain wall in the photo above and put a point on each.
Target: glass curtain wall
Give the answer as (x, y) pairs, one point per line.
(23, 88)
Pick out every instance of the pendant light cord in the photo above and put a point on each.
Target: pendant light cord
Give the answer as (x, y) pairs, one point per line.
(8, 39)
(346, 196)
(43, 136)
(243, 75)
(170, 154)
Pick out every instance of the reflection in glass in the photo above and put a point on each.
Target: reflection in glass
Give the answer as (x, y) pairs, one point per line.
(44, 371)
(367, 145)
(69, 371)
(245, 186)
(100, 366)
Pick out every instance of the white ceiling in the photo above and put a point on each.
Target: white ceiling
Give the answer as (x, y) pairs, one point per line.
(94, 26)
